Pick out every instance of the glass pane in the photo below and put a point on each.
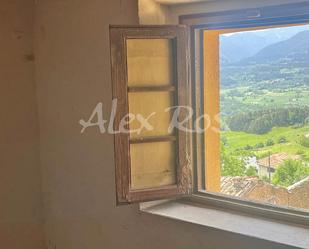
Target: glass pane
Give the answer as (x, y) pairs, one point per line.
(150, 62)
(152, 165)
(146, 103)
(264, 108)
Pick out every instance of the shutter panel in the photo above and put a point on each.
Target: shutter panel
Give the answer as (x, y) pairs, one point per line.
(150, 77)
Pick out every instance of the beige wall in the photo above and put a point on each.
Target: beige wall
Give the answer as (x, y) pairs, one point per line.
(20, 186)
(73, 75)
(169, 14)
(221, 5)
(70, 75)
(151, 12)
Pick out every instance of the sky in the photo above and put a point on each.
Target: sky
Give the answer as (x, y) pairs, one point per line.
(293, 30)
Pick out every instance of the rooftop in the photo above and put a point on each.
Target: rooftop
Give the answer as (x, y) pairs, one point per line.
(238, 185)
(276, 159)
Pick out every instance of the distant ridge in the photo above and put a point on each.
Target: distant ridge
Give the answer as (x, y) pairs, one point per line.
(293, 50)
(242, 45)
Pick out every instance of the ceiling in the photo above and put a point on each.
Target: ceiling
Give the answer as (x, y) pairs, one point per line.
(171, 2)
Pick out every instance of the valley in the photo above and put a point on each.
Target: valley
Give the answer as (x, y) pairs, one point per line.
(264, 100)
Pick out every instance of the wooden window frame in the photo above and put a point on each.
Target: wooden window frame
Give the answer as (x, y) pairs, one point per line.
(118, 37)
(246, 18)
(280, 15)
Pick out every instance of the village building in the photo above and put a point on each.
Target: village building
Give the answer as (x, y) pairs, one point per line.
(268, 165)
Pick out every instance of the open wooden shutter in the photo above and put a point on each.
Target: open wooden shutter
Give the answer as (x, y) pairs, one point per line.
(150, 75)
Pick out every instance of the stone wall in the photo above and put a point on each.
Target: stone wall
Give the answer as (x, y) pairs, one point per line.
(296, 195)
(299, 194)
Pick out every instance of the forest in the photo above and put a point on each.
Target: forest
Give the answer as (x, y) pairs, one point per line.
(262, 121)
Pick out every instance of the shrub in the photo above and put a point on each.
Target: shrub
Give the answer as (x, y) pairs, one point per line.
(270, 142)
(224, 140)
(251, 171)
(304, 141)
(300, 152)
(248, 147)
(282, 140)
(265, 179)
(297, 126)
(262, 155)
(259, 145)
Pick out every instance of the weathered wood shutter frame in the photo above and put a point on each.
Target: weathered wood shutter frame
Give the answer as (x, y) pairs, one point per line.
(118, 37)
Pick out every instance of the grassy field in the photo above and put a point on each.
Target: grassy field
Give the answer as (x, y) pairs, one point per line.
(244, 98)
(239, 140)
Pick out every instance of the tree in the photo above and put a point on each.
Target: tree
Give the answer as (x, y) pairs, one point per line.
(262, 121)
(231, 165)
(290, 172)
(260, 125)
(307, 121)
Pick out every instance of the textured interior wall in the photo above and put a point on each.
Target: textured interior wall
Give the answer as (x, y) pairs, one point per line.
(174, 11)
(20, 186)
(151, 12)
(73, 75)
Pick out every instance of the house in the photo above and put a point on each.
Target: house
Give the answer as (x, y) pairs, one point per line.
(268, 165)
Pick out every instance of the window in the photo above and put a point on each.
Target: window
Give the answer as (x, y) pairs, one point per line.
(149, 65)
(263, 88)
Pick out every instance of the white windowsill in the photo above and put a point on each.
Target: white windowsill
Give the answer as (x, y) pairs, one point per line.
(270, 230)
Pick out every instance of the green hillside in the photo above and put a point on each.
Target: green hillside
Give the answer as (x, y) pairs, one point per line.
(238, 141)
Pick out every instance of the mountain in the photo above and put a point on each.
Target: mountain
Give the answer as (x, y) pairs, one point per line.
(241, 45)
(293, 50)
(281, 65)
